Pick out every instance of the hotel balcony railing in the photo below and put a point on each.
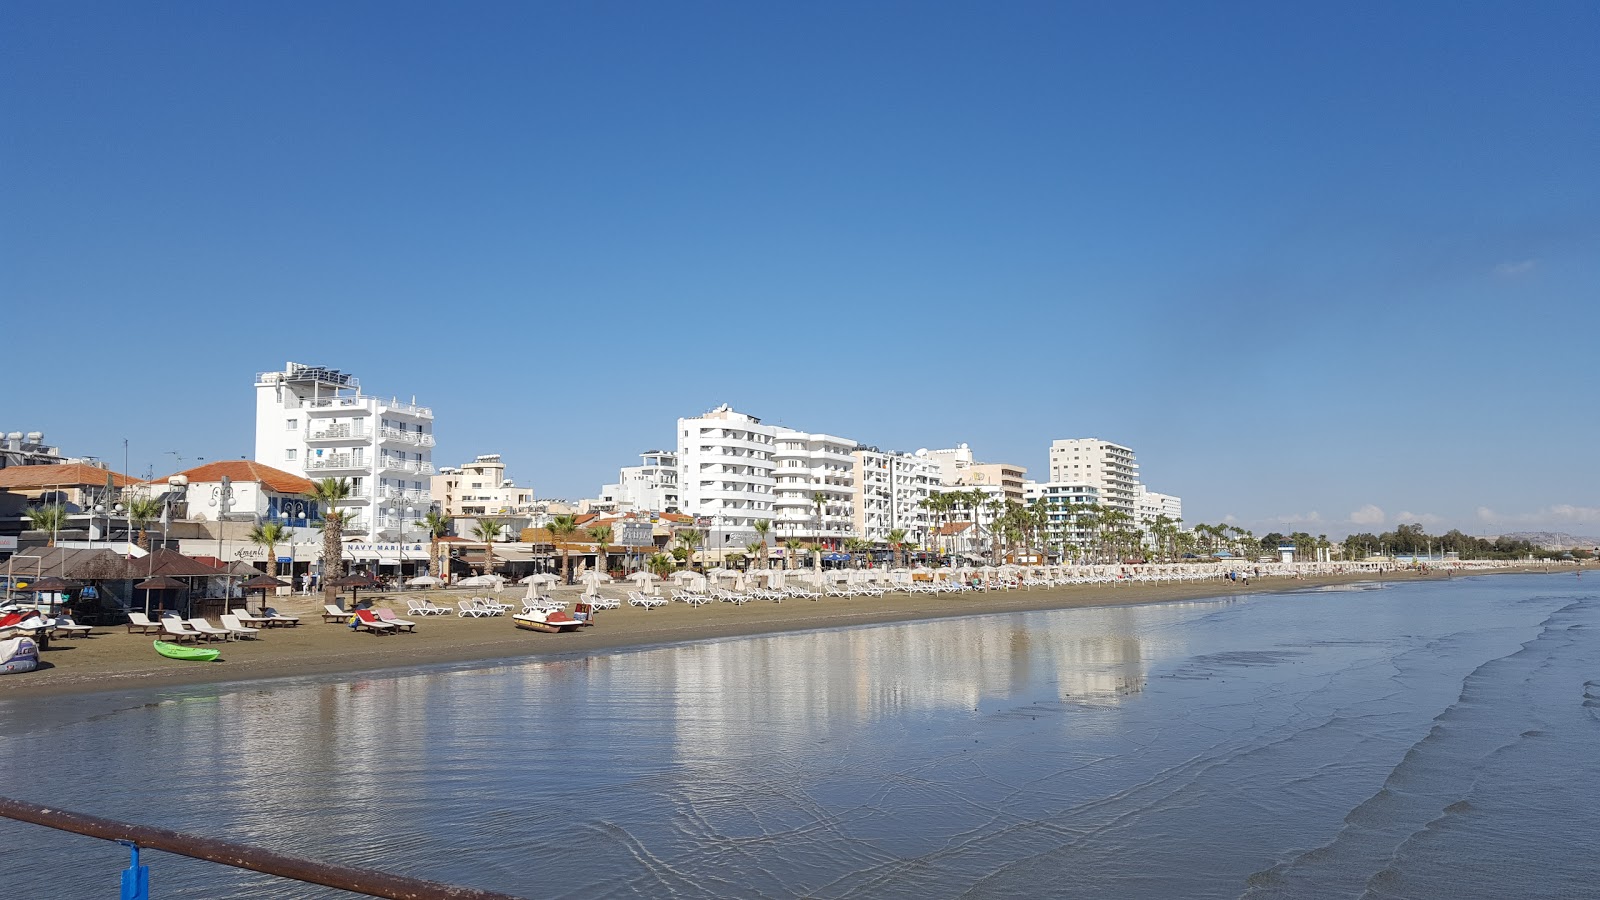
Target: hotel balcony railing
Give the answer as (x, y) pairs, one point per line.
(343, 431)
(415, 438)
(336, 461)
(404, 496)
(395, 464)
(421, 412)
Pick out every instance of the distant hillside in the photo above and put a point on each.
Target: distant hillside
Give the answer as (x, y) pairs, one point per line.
(1555, 540)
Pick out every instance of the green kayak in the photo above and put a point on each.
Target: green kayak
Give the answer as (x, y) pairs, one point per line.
(197, 654)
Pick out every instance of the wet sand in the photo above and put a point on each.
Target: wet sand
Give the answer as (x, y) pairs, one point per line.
(113, 660)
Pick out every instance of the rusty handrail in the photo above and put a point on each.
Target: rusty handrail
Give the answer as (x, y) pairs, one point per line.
(241, 856)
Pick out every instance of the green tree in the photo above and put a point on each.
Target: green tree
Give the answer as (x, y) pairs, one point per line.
(487, 531)
(763, 527)
(660, 564)
(689, 539)
(270, 535)
(437, 525)
(50, 519)
(601, 535)
(897, 545)
(142, 511)
(757, 550)
(562, 528)
(328, 493)
(817, 499)
(791, 556)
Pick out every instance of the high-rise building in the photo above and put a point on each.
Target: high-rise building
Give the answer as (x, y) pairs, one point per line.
(1110, 467)
(890, 489)
(725, 468)
(1068, 536)
(808, 468)
(316, 422)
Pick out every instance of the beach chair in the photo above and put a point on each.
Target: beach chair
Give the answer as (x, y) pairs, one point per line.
(469, 608)
(207, 630)
(66, 628)
(142, 622)
(248, 620)
(385, 614)
(279, 620)
(237, 629)
(366, 620)
(490, 607)
(173, 627)
(424, 608)
(331, 613)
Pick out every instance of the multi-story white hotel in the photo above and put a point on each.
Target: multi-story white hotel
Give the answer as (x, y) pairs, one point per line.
(890, 489)
(807, 466)
(725, 468)
(1060, 497)
(1110, 467)
(1150, 504)
(315, 422)
(481, 488)
(651, 486)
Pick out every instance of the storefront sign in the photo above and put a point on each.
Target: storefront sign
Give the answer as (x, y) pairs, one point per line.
(386, 552)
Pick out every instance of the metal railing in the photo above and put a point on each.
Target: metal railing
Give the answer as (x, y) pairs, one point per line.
(369, 882)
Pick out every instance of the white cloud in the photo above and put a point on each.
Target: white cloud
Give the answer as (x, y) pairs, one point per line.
(1293, 519)
(1368, 515)
(1230, 519)
(1565, 512)
(1485, 514)
(1513, 269)
(1426, 519)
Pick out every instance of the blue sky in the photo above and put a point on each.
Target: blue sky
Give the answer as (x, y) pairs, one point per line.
(1329, 266)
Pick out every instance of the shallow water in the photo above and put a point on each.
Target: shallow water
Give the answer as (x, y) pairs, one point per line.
(1433, 739)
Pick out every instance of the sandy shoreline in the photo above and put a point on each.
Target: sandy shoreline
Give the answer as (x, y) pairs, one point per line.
(113, 660)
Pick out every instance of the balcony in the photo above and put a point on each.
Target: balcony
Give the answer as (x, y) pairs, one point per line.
(400, 406)
(344, 431)
(396, 464)
(414, 438)
(346, 405)
(411, 498)
(337, 461)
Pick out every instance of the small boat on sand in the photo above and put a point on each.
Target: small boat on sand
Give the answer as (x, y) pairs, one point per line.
(548, 622)
(18, 655)
(193, 654)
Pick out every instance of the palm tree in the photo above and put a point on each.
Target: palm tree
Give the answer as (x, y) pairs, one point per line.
(437, 525)
(562, 528)
(816, 558)
(854, 545)
(601, 535)
(762, 527)
(661, 564)
(141, 512)
(328, 493)
(270, 535)
(689, 539)
(897, 545)
(756, 549)
(817, 499)
(791, 558)
(486, 530)
(48, 518)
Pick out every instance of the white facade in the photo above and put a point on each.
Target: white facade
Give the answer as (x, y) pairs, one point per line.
(1110, 467)
(1060, 497)
(316, 422)
(890, 489)
(651, 486)
(725, 467)
(1150, 504)
(480, 488)
(955, 463)
(807, 465)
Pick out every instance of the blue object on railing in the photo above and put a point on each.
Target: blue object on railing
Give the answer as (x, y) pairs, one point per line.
(135, 878)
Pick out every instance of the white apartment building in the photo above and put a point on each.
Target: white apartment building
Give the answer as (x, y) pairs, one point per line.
(806, 465)
(954, 463)
(890, 489)
(1060, 497)
(651, 486)
(481, 488)
(315, 422)
(725, 468)
(1150, 504)
(1110, 467)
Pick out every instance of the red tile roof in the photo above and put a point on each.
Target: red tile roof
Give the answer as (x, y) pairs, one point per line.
(245, 470)
(950, 528)
(676, 517)
(30, 478)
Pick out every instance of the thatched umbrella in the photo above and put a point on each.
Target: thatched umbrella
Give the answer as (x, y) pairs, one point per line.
(158, 583)
(355, 583)
(262, 583)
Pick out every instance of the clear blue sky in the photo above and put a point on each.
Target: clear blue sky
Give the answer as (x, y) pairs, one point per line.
(1316, 263)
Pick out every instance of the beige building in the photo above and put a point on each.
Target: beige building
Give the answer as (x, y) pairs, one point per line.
(1112, 468)
(481, 488)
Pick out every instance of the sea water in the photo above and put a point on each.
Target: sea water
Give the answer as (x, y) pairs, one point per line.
(1429, 739)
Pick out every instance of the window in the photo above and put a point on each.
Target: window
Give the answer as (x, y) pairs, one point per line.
(289, 454)
(291, 424)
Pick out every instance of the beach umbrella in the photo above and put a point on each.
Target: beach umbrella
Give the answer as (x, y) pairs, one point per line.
(262, 583)
(594, 578)
(425, 581)
(158, 583)
(354, 582)
(646, 581)
(540, 578)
